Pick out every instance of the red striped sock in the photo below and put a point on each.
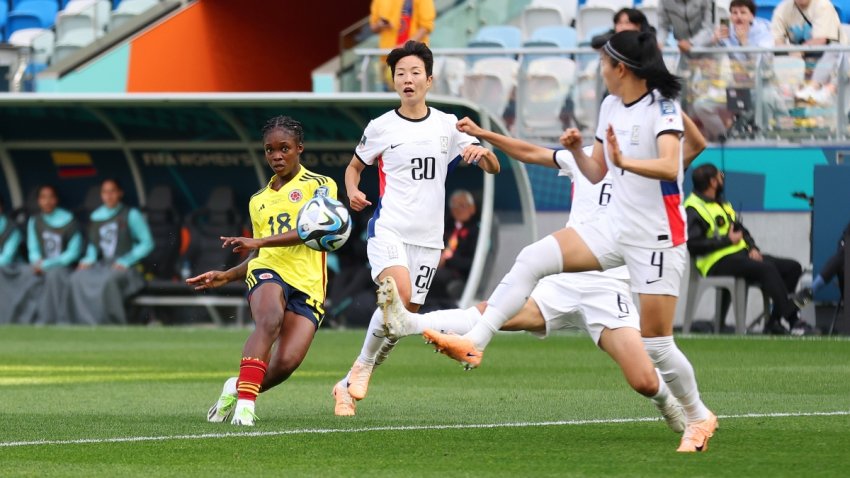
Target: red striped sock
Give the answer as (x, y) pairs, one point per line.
(251, 373)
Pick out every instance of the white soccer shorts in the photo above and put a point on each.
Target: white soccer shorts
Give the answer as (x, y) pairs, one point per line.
(387, 250)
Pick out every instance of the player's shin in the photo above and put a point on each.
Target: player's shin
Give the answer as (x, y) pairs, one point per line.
(534, 262)
(677, 372)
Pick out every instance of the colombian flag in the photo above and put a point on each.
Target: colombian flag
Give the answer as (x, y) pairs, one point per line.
(73, 165)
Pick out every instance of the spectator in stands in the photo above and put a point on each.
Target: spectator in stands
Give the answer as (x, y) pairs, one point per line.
(460, 237)
(809, 22)
(396, 22)
(741, 29)
(833, 267)
(625, 19)
(118, 238)
(722, 246)
(54, 245)
(689, 20)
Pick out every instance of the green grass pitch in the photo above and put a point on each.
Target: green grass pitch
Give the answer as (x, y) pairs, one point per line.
(133, 401)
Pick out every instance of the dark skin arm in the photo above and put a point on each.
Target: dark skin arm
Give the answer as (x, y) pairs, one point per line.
(213, 279)
(242, 244)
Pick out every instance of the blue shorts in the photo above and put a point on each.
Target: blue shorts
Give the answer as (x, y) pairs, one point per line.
(296, 301)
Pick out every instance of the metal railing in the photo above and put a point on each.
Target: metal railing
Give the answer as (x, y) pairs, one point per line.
(792, 95)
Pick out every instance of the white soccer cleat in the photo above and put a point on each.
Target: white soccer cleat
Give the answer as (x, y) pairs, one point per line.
(223, 407)
(673, 415)
(244, 414)
(397, 320)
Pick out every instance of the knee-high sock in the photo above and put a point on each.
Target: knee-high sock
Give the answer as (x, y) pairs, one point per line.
(663, 394)
(374, 338)
(457, 321)
(677, 372)
(534, 262)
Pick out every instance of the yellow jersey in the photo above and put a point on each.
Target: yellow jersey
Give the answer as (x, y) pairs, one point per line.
(276, 212)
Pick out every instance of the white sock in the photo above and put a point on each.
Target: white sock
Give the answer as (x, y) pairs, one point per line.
(242, 403)
(677, 372)
(663, 394)
(384, 350)
(374, 338)
(534, 262)
(457, 321)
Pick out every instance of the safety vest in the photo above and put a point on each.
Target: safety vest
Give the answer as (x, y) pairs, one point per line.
(719, 217)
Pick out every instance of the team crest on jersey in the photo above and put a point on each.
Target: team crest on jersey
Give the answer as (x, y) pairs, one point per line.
(444, 144)
(635, 139)
(667, 107)
(295, 195)
(265, 276)
(321, 191)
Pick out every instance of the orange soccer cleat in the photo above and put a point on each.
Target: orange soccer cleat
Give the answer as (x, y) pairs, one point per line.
(358, 379)
(344, 406)
(697, 435)
(456, 347)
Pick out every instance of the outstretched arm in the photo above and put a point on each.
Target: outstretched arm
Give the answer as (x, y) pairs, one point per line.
(593, 167)
(515, 148)
(665, 167)
(213, 279)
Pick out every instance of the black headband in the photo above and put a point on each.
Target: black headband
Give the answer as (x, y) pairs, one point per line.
(619, 56)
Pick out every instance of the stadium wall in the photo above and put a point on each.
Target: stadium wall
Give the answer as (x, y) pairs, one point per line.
(220, 46)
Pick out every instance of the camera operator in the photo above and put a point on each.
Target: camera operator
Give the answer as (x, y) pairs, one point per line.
(722, 246)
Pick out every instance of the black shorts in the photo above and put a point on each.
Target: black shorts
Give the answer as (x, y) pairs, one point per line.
(296, 301)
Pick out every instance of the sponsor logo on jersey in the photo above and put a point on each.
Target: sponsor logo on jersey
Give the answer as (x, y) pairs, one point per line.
(322, 191)
(444, 144)
(295, 195)
(265, 276)
(667, 107)
(635, 140)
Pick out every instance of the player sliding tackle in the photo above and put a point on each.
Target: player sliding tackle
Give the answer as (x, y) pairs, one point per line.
(598, 302)
(639, 139)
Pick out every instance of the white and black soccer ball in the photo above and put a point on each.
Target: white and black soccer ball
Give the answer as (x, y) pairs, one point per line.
(324, 224)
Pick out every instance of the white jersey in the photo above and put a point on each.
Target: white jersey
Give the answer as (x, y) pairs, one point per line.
(648, 212)
(589, 201)
(413, 158)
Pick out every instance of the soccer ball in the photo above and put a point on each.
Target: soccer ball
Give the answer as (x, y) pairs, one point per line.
(323, 224)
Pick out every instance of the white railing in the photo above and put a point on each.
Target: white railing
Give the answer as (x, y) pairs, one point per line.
(750, 94)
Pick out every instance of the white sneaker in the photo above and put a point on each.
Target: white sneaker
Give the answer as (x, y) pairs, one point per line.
(673, 415)
(223, 407)
(397, 323)
(244, 414)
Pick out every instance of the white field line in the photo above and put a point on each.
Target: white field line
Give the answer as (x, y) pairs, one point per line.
(471, 426)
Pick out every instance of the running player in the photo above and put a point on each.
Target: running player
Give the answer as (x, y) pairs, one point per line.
(598, 302)
(286, 286)
(639, 139)
(414, 147)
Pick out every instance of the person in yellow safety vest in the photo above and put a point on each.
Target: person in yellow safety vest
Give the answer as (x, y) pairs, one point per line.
(722, 246)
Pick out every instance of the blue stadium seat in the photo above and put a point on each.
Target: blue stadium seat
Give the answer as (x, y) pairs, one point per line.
(32, 14)
(555, 36)
(764, 8)
(4, 13)
(497, 36)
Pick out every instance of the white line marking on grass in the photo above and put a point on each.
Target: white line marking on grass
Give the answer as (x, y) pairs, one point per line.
(469, 426)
